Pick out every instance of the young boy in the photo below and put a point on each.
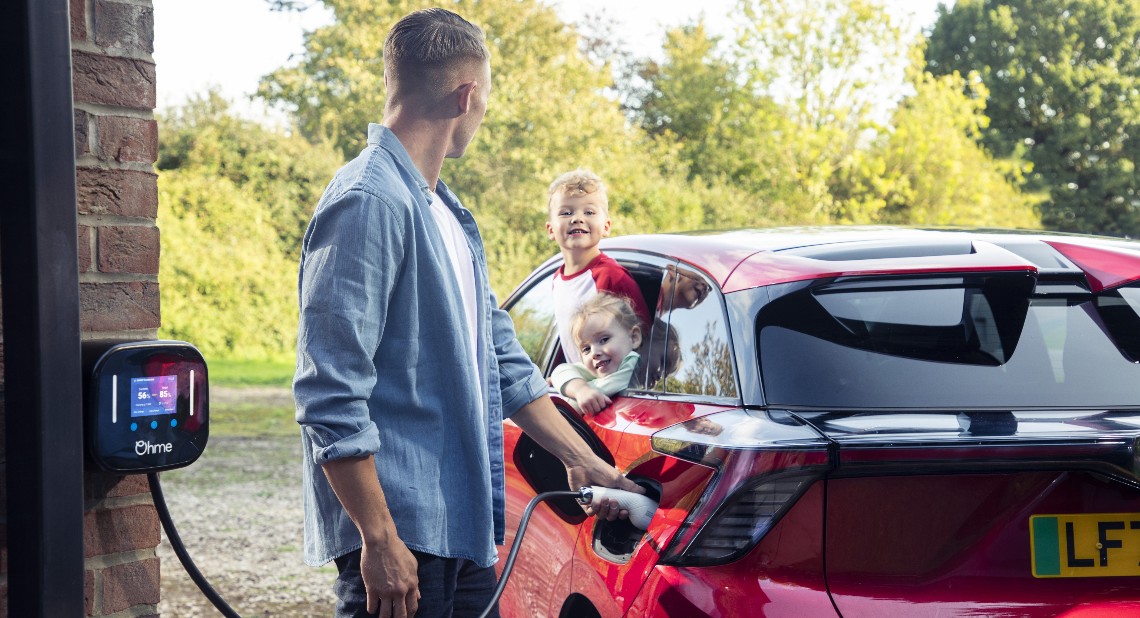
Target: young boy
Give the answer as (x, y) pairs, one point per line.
(578, 219)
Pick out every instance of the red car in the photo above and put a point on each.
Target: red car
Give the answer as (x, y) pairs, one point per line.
(853, 422)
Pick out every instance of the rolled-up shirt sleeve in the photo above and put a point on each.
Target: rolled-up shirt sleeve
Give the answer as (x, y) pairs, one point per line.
(349, 264)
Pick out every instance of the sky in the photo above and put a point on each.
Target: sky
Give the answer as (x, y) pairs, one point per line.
(194, 49)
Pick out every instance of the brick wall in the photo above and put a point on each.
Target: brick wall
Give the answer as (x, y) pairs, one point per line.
(116, 144)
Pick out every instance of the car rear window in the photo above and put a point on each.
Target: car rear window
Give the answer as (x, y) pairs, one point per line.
(992, 341)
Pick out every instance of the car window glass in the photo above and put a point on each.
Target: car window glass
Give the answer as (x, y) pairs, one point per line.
(1120, 311)
(533, 316)
(696, 357)
(1012, 348)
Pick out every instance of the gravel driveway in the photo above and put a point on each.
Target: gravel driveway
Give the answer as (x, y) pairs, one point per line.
(238, 512)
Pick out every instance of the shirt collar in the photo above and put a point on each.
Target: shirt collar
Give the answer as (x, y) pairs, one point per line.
(382, 136)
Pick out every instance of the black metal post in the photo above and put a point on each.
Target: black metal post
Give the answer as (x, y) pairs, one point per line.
(40, 281)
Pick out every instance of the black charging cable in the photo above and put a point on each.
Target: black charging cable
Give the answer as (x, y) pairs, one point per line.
(180, 549)
(510, 563)
(228, 612)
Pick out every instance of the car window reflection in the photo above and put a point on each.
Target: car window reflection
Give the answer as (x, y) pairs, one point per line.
(696, 340)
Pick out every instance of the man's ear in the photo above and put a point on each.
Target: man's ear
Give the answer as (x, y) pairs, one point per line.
(466, 91)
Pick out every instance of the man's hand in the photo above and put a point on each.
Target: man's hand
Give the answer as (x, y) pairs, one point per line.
(590, 399)
(390, 578)
(543, 423)
(387, 568)
(597, 473)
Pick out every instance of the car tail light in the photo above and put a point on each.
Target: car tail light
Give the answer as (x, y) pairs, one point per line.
(764, 461)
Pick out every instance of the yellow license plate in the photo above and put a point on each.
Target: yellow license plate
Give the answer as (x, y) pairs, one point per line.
(1088, 545)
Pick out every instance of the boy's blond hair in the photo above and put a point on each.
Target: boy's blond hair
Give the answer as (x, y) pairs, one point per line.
(578, 182)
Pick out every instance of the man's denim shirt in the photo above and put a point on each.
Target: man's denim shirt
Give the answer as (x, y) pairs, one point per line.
(383, 364)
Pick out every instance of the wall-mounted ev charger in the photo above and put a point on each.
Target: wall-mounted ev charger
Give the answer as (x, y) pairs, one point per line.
(146, 405)
(147, 409)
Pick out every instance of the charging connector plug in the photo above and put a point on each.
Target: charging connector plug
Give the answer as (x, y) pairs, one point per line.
(641, 508)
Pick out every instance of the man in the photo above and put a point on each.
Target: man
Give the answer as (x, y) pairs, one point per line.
(405, 364)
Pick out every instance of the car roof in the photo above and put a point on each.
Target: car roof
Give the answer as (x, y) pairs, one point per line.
(742, 259)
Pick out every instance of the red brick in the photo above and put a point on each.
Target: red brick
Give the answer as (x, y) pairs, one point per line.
(82, 131)
(78, 20)
(106, 80)
(127, 140)
(89, 592)
(83, 245)
(128, 249)
(101, 485)
(128, 528)
(117, 192)
(127, 585)
(116, 306)
(124, 26)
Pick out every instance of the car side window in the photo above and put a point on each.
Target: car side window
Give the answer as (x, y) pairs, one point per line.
(696, 358)
(533, 316)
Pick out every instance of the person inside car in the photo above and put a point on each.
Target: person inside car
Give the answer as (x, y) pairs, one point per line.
(578, 219)
(608, 333)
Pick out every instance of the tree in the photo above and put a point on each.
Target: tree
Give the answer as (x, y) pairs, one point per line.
(283, 172)
(1063, 82)
(929, 169)
(728, 133)
(234, 199)
(549, 113)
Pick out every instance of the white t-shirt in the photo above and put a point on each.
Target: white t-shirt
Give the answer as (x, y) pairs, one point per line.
(463, 266)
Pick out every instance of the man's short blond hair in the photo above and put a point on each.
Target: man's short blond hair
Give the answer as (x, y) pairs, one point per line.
(578, 182)
(425, 49)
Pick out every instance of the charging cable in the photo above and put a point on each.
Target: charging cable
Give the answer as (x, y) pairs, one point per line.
(180, 549)
(641, 509)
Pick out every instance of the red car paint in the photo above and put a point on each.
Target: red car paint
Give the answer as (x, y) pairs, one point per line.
(880, 503)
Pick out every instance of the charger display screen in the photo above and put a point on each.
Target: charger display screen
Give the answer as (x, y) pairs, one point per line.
(154, 396)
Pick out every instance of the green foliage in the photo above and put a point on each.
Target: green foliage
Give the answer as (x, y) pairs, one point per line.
(548, 114)
(224, 287)
(786, 114)
(285, 173)
(1063, 79)
(261, 372)
(929, 170)
(233, 199)
(727, 133)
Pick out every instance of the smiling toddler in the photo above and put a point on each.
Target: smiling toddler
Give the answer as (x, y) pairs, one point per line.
(608, 334)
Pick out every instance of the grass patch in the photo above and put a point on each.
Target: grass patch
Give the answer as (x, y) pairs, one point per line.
(249, 420)
(226, 372)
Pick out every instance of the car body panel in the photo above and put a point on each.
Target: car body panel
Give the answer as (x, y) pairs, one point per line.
(782, 576)
(541, 575)
(916, 509)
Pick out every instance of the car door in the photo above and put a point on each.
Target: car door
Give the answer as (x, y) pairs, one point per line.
(689, 373)
(542, 577)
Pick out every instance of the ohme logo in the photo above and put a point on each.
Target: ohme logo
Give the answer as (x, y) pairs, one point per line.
(142, 447)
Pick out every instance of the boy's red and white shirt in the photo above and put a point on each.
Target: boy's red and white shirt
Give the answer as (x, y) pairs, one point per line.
(602, 274)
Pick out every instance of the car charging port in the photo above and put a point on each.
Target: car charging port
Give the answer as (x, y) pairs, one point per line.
(615, 540)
